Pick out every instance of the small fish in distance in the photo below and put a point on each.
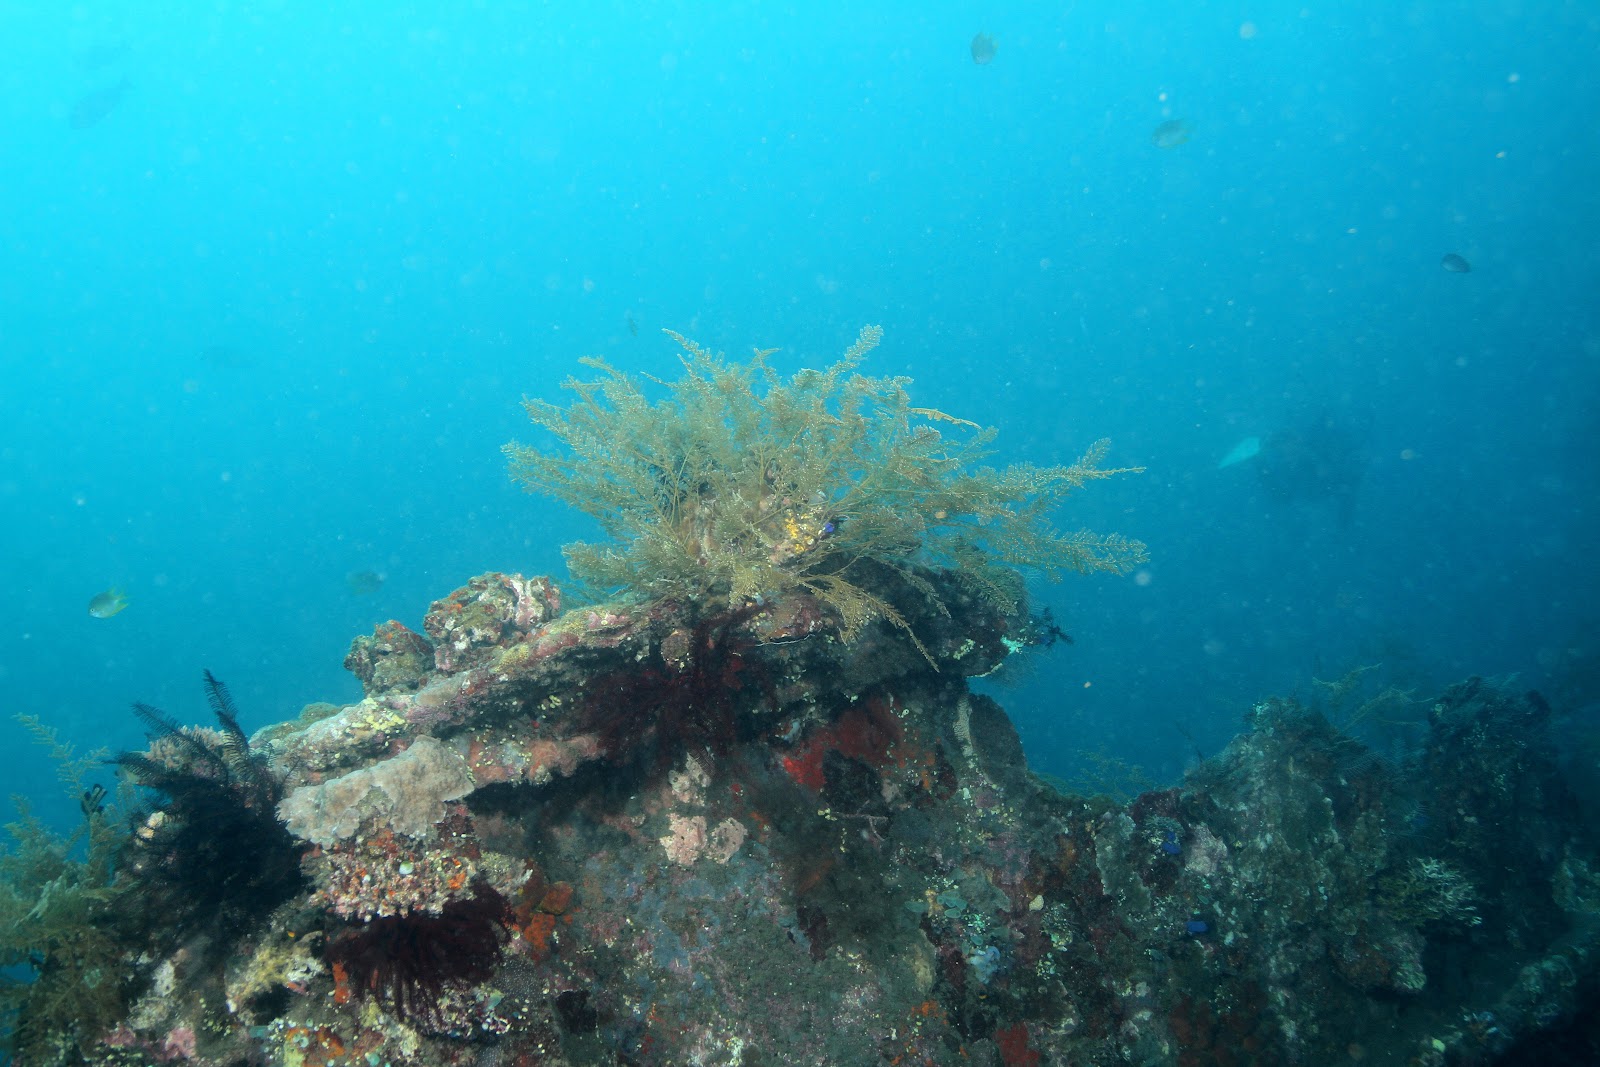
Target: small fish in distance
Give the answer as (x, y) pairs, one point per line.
(983, 49)
(106, 604)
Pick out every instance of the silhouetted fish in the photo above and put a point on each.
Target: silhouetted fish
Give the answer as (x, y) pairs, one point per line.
(1455, 264)
(1317, 460)
(1170, 134)
(92, 107)
(363, 583)
(983, 49)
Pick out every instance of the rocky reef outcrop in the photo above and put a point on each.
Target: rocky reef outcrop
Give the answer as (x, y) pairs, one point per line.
(632, 835)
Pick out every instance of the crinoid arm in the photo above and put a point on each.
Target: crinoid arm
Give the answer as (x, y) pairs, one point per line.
(235, 743)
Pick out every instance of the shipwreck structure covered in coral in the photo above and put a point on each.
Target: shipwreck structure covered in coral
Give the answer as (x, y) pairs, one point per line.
(750, 812)
(601, 836)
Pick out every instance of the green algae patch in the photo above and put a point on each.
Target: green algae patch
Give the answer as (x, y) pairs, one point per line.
(64, 921)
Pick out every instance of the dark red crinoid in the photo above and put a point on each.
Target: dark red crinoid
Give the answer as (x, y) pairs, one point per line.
(410, 962)
(689, 697)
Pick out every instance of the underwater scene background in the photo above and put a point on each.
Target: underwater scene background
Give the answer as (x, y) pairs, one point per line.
(276, 278)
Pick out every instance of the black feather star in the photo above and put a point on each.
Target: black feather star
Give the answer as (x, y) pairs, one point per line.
(161, 726)
(212, 851)
(235, 745)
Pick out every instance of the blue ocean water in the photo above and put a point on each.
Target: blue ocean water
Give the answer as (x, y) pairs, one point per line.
(275, 276)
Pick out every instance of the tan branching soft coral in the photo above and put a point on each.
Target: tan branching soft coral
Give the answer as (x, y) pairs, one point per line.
(742, 485)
